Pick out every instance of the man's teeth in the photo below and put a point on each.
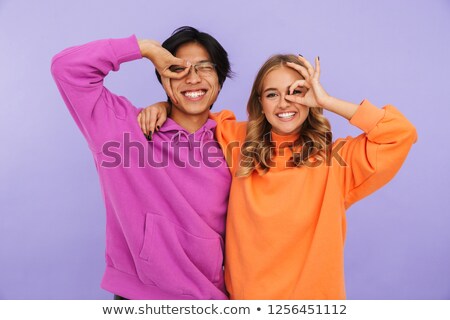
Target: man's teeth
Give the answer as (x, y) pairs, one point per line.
(286, 115)
(194, 94)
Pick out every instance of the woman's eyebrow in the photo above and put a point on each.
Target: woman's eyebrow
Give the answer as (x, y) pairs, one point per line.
(274, 89)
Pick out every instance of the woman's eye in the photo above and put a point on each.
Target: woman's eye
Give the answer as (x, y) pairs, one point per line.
(297, 92)
(271, 95)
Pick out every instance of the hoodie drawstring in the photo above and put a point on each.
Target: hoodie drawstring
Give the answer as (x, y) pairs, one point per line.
(204, 136)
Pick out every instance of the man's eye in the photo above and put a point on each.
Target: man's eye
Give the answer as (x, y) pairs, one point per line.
(177, 69)
(205, 68)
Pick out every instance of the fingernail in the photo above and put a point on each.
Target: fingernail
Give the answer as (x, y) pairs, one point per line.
(318, 58)
(300, 55)
(149, 136)
(157, 128)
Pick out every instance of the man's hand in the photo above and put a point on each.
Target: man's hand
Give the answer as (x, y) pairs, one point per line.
(163, 60)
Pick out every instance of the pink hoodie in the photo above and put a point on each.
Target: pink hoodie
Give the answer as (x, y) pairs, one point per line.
(165, 200)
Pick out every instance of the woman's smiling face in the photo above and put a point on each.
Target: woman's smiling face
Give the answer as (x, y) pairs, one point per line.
(285, 117)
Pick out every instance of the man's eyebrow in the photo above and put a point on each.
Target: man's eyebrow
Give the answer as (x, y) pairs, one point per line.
(202, 61)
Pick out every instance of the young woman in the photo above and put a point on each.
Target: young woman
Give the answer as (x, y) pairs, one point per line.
(291, 186)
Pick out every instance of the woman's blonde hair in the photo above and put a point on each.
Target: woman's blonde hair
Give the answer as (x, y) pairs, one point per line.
(258, 149)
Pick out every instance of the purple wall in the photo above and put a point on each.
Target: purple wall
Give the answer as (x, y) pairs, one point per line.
(51, 211)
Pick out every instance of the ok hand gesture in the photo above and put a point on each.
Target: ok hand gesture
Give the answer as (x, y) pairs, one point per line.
(316, 96)
(163, 60)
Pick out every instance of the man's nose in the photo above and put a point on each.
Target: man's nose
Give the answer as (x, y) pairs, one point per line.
(192, 76)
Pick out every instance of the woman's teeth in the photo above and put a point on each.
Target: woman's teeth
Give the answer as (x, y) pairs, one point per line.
(286, 115)
(194, 94)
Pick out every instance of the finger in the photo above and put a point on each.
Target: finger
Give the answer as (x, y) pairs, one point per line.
(161, 119)
(307, 85)
(317, 73)
(168, 88)
(295, 99)
(144, 121)
(175, 75)
(300, 69)
(151, 119)
(139, 119)
(180, 62)
(296, 84)
(177, 62)
(307, 65)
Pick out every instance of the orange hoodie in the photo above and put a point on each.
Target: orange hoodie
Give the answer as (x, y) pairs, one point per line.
(286, 229)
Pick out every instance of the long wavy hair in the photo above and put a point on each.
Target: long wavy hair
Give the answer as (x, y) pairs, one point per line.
(258, 150)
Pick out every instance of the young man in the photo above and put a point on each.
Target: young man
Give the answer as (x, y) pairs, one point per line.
(166, 199)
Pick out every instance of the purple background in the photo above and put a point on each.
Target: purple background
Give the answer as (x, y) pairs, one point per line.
(52, 219)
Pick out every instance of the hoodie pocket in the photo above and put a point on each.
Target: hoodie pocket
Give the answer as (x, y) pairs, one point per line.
(176, 260)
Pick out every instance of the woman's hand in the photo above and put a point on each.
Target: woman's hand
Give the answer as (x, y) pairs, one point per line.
(316, 96)
(163, 60)
(153, 117)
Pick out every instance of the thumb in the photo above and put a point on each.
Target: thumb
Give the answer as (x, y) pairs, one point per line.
(180, 62)
(295, 99)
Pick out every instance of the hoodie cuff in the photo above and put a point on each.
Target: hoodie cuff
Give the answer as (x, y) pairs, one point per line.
(367, 116)
(126, 49)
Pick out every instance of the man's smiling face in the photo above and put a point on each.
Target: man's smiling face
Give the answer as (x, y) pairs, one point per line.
(197, 91)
